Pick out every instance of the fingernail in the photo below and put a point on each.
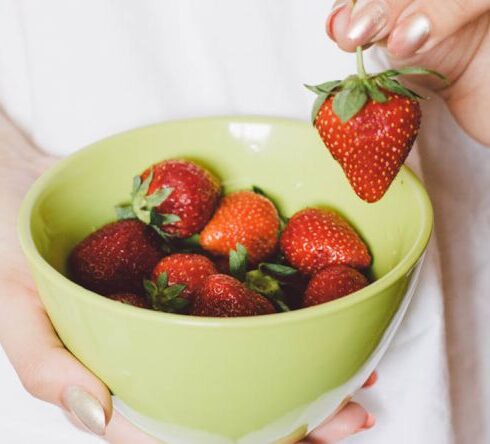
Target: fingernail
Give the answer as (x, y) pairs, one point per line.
(85, 408)
(410, 35)
(368, 19)
(336, 8)
(370, 421)
(373, 378)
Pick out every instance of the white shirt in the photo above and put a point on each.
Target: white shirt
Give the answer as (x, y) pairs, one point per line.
(72, 72)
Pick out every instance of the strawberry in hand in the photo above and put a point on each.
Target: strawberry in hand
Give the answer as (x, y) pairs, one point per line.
(369, 124)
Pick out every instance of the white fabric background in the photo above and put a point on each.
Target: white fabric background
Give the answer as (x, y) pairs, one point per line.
(73, 72)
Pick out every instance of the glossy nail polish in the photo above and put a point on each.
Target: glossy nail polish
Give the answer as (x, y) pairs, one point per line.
(370, 421)
(86, 409)
(337, 7)
(410, 35)
(368, 19)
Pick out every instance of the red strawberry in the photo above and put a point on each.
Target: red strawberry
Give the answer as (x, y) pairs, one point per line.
(314, 239)
(188, 269)
(246, 218)
(116, 257)
(369, 124)
(372, 146)
(178, 196)
(333, 283)
(130, 299)
(225, 296)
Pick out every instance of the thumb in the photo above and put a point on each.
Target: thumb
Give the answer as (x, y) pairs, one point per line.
(45, 368)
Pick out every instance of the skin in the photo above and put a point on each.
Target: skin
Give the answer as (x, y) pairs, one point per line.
(459, 47)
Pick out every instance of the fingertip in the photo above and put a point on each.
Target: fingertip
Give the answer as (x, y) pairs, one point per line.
(76, 374)
(373, 378)
(336, 9)
(353, 418)
(370, 422)
(337, 26)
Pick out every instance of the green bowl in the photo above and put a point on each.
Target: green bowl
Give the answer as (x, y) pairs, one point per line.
(205, 380)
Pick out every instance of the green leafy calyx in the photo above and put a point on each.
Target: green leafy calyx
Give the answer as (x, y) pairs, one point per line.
(351, 94)
(238, 260)
(145, 207)
(164, 297)
(268, 287)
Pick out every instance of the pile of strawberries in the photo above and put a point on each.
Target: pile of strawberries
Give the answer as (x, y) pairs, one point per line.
(180, 247)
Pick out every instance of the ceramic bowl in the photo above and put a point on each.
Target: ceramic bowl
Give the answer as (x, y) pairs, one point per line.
(260, 380)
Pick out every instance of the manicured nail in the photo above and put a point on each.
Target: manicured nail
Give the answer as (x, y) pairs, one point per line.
(336, 8)
(410, 35)
(370, 421)
(373, 378)
(85, 408)
(368, 19)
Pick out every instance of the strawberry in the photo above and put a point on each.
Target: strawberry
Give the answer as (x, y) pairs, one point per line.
(243, 217)
(116, 257)
(315, 238)
(178, 197)
(188, 269)
(332, 283)
(130, 299)
(224, 296)
(369, 124)
(372, 146)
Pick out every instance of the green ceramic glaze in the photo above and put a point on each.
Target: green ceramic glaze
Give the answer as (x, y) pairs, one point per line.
(209, 380)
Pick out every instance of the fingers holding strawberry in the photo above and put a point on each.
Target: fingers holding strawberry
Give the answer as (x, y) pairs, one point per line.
(450, 36)
(369, 123)
(408, 26)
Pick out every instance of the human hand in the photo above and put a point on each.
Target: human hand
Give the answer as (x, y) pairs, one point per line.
(46, 369)
(450, 36)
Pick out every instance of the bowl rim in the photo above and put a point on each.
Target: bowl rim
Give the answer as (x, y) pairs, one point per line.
(35, 259)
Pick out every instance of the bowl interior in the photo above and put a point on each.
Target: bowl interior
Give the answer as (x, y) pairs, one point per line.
(285, 158)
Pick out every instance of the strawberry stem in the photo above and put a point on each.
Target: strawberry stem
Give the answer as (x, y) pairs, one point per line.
(361, 70)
